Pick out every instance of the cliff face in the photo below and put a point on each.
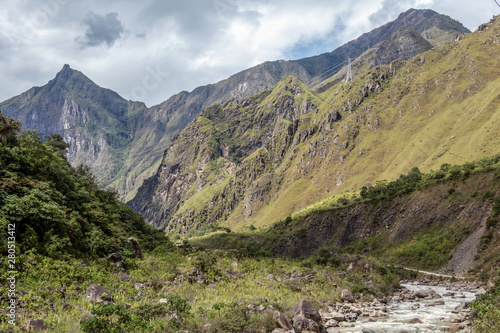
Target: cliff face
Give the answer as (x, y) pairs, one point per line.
(123, 142)
(206, 152)
(435, 108)
(397, 219)
(94, 121)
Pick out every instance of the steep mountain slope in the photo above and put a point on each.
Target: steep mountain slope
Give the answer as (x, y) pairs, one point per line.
(125, 158)
(206, 151)
(96, 122)
(436, 108)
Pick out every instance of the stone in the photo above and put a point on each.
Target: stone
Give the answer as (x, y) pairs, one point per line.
(98, 294)
(347, 296)
(116, 257)
(138, 286)
(338, 316)
(325, 315)
(302, 324)
(351, 316)
(332, 330)
(414, 321)
(421, 294)
(332, 323)
(346, 324)
(480, 291)
(366, 330)
(305, 309)
(270, 277)
(125, 276)
(436, 303)
(35, 324)
(282, 321)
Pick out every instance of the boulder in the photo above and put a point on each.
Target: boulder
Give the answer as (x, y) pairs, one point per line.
(337, 316)
(347, 296)
(98, 294)
(302, 324)
(435, 303)
(414, 321)
(35, 324)
(116, 257)
(305, 309)
(282, 321)
(480, 291)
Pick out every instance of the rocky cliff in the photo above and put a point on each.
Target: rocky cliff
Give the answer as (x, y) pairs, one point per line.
(125, 158)
(96, 122)
(435, 108)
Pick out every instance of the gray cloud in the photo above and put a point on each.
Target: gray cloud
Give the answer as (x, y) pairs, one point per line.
(101, 29)
(196, 42)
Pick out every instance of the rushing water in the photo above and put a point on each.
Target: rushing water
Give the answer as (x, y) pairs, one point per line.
(434, 318)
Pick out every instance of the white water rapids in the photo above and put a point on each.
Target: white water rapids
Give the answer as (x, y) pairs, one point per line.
(435, 318)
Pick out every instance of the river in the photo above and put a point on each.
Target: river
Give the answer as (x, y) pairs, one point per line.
(434, 314)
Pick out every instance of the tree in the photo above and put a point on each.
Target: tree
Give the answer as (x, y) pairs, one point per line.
(56, 142)
(8, 128)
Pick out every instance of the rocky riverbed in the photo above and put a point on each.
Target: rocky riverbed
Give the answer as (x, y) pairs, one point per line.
(418, 306)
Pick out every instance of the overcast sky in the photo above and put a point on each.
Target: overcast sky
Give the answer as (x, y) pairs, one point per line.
(152, 49)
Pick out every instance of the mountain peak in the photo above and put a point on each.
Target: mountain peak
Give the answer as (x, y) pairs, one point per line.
(65, 72)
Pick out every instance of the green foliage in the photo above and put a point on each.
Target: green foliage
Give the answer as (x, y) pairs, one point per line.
(486, 310)
(8, 128)
(60, 211)
(205, 261)
(113, 318)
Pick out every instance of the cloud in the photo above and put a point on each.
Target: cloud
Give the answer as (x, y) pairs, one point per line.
(101, 29)
(196, 42)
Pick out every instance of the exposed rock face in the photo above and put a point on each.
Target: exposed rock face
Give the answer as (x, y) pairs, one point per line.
(403, 44)
(206, 151)
(123, 142)
(94, 121)
(289, 147)
(401, 217)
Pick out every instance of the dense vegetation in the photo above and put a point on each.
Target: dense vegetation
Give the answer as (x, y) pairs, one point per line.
(59, 210)
(486, 310)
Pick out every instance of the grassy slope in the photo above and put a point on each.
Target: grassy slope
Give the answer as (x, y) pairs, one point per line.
(452, 94)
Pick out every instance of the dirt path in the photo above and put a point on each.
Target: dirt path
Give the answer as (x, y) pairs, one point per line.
(433, 274)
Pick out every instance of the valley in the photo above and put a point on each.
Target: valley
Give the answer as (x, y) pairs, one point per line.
(353, 191)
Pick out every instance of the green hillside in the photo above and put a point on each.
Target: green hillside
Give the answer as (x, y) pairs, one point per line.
(57, 210)
(435, 108)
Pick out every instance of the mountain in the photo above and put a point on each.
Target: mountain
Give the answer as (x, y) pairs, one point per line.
(123, 142)
(97, 123)
(58, 210)
(435, 108)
